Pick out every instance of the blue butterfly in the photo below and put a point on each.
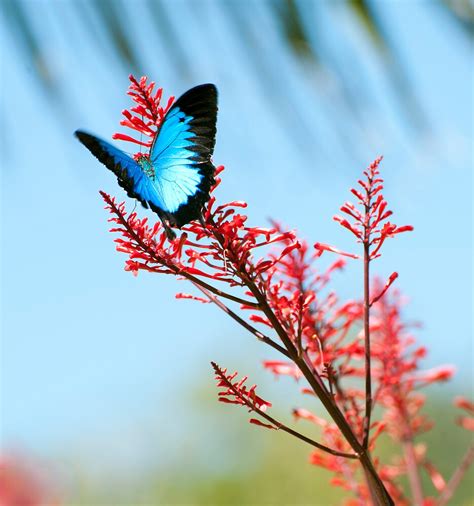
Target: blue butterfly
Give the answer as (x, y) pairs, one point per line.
(176, 178)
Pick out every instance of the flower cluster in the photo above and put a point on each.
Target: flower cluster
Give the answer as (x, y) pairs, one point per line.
(236, 392)
(397, 379)
(146, 116)
(224, 250)
(353, 355)
(397, 371)
(368, 223)
(22, 483)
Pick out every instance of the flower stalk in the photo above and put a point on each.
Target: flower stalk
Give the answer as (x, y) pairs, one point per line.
(268, 278)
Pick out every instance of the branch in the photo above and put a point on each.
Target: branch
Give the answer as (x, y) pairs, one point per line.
(175, 268)
(457, 476)
(278, 425)
(238, 319)
(413, 472)
(368, 373)
(379, 493)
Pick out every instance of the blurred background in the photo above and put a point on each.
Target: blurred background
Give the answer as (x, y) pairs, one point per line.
(106, 389)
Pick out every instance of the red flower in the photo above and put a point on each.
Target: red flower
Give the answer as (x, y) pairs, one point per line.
(236, 392)
(279, 367)
(368, 221)
(466, 422)
(22, 484)
(354, 355)
(145, 117)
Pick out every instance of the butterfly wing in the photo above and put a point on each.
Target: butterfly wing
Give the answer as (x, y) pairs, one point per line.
(181, 155)
(176, 185)
(131, 177)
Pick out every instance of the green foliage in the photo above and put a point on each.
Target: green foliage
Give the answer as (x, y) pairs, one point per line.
(227, 462)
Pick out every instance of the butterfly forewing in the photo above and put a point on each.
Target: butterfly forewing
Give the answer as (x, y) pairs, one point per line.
(181, 154)
(129, 174)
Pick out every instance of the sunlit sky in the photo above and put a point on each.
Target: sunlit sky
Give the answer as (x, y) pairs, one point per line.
(89, 351)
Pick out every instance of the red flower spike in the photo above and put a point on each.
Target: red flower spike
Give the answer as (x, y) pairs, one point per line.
(198, 254)
(146, 116)
(367, 224)
(282, 289)
(236, 392)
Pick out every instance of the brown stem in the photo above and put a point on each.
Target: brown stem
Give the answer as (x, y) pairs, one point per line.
(368, 373)
(238, 319)
(413, 472)
(305, 438)
(379, 493)
(408, 438)
(299, 344)
(457, 476)
(380, 496)
(276, 423)
(218, 292)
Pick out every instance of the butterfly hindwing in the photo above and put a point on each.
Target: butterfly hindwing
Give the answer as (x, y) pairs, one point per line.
(181, 154)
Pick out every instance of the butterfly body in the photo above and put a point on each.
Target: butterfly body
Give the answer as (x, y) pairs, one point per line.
(147, 167)
(174, 179)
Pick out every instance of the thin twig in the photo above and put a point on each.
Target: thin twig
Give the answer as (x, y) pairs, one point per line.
(457, 476)
(216, 291)
(413, 472)
(278, 425)
(299, 332)
(379, 493)
(368, 373)
(377, 489)
(238, 319)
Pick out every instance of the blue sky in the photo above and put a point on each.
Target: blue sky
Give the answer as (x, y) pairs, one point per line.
(88, 351)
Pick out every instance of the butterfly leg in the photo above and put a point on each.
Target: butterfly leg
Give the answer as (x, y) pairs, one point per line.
(170, 234)
(165, 220)
(201, 221)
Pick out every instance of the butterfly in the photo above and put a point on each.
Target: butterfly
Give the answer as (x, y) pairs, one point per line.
(174, 179)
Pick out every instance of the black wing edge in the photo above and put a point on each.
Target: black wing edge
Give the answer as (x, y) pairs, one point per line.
(199, 102)
(192, 209)
(111, 161)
